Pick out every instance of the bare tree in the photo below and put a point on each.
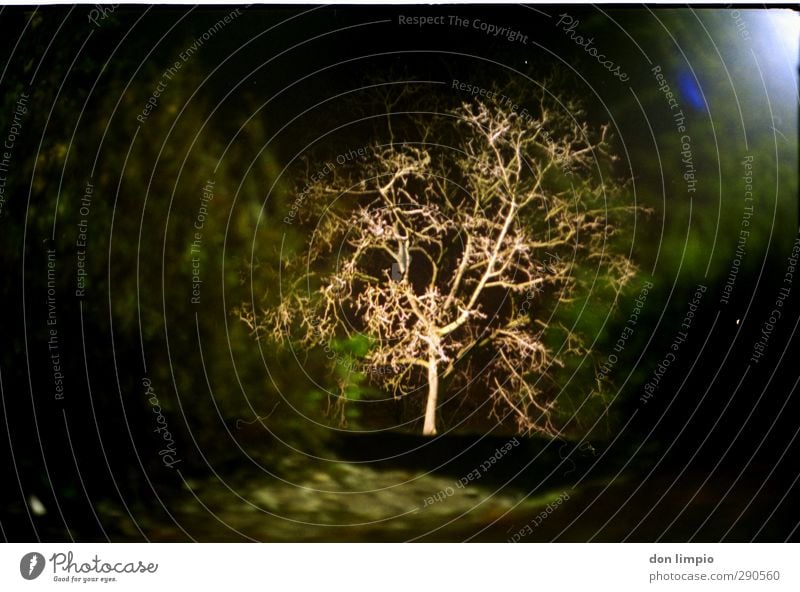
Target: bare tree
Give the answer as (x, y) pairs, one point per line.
(435, 252)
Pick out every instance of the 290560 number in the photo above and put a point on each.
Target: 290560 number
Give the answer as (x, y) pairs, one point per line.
(760, 575)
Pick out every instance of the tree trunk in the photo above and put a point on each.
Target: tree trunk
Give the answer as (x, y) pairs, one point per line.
(429, 427)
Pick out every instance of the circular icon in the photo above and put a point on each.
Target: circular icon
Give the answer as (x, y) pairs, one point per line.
(31, 565)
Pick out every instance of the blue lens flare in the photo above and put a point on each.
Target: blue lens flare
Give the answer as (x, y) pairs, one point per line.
(690, 90)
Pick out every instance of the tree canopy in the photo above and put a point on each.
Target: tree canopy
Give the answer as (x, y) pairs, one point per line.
(447, 256)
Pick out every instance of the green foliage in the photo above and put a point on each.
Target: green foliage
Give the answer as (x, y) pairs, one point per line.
(148, 181)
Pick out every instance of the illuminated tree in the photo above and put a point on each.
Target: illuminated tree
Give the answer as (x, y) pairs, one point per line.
(434, 253)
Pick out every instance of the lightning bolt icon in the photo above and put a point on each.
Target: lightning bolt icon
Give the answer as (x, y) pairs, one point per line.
(33, 563)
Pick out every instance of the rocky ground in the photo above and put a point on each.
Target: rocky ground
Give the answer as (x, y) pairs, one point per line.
(347, 501)
(353, 502)
(455, 493)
